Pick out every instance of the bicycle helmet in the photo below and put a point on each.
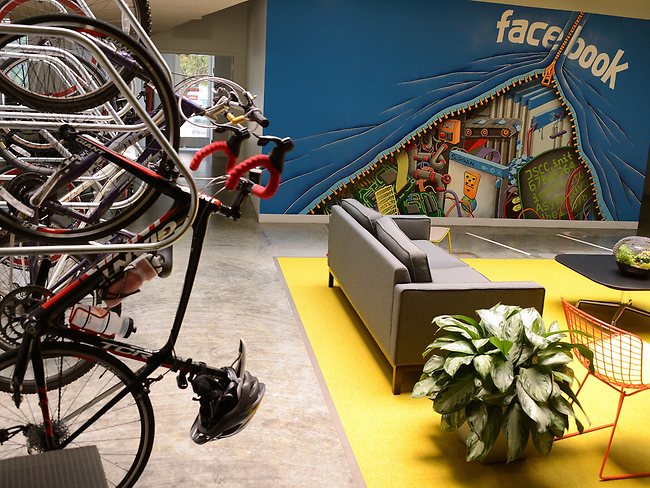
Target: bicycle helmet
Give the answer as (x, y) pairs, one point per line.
(227, 405)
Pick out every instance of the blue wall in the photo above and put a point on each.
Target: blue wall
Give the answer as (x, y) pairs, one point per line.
(349, 81)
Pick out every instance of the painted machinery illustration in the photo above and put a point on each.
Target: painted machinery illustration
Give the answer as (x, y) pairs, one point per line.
(483, 162)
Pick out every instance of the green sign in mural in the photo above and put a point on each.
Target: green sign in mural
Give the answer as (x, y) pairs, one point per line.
(554, 186)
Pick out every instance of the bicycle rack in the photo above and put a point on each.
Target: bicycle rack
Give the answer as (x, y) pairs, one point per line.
(18, 29)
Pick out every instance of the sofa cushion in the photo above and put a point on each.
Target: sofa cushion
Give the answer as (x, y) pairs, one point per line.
(364, 215)
(414, 258)
(457, 274)
(438, 258)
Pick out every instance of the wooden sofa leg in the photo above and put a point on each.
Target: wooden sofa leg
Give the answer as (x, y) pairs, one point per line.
(397, 380)
(330, 283)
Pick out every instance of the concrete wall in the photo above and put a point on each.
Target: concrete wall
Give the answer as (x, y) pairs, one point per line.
(224, 32)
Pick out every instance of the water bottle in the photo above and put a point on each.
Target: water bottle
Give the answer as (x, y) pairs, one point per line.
(141, 270)
(100, 321)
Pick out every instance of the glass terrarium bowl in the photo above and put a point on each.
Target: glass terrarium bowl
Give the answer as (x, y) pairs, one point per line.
(633, 256)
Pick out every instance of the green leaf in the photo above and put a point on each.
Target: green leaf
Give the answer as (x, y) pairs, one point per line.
(532, 320)
(453, 363)
(566, 388)
(435, 362)
(493, 425)
(468, 320)
(455, 395)
(514, 332)
(452, 421)
(423, 388)
(563, 376)
(543, 441)
(563, 406)
(536, 340)
(555, 359)
(539, 413)
(506, 311)
(463, 347)
(482, 364)
(559, 423)
(502, 374)
(451, 323)
(477, 416)
(476, 448)
(587, 353)
(502, 345)
(493, 321)
(536, 383)
(479, 343)
(526, 354)
(517, 429)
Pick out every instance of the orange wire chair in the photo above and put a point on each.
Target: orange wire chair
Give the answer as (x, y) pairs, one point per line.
(618, 362)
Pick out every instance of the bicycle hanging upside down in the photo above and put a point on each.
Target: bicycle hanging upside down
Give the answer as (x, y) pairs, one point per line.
(67, 386)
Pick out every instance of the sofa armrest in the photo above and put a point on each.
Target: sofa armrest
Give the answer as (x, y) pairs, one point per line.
(416, 304)
(416, 227)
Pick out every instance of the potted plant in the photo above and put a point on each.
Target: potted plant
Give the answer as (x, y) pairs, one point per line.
(506, 373)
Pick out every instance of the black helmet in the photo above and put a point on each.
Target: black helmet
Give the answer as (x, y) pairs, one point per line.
(227, 404)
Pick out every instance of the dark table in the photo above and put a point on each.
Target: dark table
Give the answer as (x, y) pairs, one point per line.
(602, 269)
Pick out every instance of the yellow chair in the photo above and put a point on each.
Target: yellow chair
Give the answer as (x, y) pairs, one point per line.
(387, 204)
(621, 361)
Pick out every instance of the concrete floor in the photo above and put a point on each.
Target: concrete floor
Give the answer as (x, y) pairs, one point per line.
(295, 439)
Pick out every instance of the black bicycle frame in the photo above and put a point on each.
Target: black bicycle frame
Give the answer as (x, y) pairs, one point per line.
(42, 320)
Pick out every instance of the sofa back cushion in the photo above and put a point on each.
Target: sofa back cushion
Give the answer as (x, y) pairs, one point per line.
(365, 216)
(414, 258)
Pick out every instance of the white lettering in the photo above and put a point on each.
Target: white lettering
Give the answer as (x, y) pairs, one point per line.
(613, 69)
(580, 45)
(603, 60)
(552, 34)
(517, 33)
(587, 57)
(535, 26)
(520, 31)
(503, 23)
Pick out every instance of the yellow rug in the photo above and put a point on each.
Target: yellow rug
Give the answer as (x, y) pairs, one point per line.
(397, 441)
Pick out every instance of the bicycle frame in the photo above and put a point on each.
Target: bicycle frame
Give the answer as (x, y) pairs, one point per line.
(148, 122)
(41, 320)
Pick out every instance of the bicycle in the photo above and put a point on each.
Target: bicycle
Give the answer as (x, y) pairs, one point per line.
(100, 392)
(46, 207)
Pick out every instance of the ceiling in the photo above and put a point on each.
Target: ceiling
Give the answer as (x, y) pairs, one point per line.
(166, 14)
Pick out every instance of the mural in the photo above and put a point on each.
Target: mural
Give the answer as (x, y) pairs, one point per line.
(522, 113)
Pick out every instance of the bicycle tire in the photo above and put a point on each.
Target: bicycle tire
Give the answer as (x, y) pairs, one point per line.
(104, 10)
(123, 458)
(50, 84)
(170, 126)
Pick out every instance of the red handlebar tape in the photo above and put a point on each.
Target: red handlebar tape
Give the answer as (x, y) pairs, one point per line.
(211, 149)
(253, 162)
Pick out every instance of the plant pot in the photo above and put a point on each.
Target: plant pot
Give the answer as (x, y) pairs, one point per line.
(499, 452)
(633, 271)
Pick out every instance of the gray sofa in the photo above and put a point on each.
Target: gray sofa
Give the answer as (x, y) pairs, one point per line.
(398, 281)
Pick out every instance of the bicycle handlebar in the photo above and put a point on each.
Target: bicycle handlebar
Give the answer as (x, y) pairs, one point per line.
(212, 148)
(238, 171)
(274, 163)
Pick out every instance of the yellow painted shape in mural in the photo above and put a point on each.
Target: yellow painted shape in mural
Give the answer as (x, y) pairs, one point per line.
(402, 170)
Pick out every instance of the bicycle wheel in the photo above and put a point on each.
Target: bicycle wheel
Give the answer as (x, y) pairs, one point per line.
(123, 435)
(105, 10)
(48, 74)
(69, 214)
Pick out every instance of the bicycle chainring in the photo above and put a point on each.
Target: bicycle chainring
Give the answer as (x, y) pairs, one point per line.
(22, 186)
(13, 308)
